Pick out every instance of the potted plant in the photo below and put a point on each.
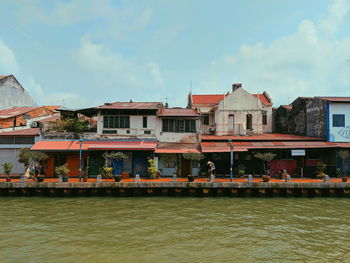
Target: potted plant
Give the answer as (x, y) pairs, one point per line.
(62, 171)
(344, 179)
(320, 168)
(106, 172)
(192, 157)
(266, 157)
(7, 170)
(39, 159)
(241, 170)
(117, 159)
(152, 169)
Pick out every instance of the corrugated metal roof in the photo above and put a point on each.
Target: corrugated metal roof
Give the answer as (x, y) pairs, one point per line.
(50, 119)
(177, 148)
(262, 137)
(180, 112)
(225, 146)
(93, 145)
(335, 99)
(15, 111)
(22, 132)
(132, 105)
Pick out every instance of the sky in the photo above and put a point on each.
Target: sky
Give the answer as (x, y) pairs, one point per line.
(84, 53)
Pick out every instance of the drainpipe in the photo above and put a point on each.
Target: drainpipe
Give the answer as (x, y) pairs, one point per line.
(80, 158)
(327, 123)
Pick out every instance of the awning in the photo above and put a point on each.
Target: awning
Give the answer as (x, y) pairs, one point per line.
(94, 145)
(245, 146)
(177, 148)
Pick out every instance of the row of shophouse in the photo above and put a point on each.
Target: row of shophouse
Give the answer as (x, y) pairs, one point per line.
(301, 134)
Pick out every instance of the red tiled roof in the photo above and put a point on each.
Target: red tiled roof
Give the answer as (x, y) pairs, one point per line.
(15, 111)
(335, 99)
(22, 132)
(177, 148)
(288, 107)
(2, 77)
(176, 112)
(94, 145)
(239, 146)
(209, 99)
(263, 99)
(262, 137)
(131, 105)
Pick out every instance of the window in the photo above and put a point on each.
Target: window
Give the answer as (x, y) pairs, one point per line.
(109, 131)
(338, 120)
(205, 119)
(249, 122)
(17, 140)
(145, 122)
(110, 122)
(264, 119)
(147, 132)
(180, 126)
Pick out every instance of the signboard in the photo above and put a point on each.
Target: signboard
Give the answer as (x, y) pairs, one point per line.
(298, 152)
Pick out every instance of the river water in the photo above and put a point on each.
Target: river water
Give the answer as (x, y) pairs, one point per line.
(161, 229)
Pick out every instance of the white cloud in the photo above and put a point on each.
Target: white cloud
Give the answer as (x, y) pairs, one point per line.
(311, 61)
(8, 61)
(155, 71)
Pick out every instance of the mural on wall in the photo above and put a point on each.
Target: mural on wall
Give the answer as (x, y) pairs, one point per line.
(345, 132)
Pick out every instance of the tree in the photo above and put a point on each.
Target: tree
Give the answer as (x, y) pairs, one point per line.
(266, 157)
(25, 156)
(73, 125)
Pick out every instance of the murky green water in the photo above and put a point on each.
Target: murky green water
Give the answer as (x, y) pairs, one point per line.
(174, 230)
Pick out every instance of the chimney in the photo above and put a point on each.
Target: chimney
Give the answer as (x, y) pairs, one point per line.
(236, 86)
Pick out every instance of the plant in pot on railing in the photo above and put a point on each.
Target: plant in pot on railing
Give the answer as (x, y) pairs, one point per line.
(106, 172)
(266, 157)
(39, 159)
(192, 157)
(152, 169)
(7, 170)
(344, 155)
(240, 170)
(117, 161)
(62, 171)
(320, 168)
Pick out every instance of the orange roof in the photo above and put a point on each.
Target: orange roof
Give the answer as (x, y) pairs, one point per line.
(288, 107)
(262, 137)
(22, 132)
(53, 108)
(15, 111)
(244, 146)
(132, 105)
(94, 145)
(178, 112)
(177, 148)
(50, 119)
(2, 77)
(263, 99)
(209, 99)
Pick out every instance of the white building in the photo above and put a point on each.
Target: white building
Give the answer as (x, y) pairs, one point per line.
(12, 94)
(236, 113)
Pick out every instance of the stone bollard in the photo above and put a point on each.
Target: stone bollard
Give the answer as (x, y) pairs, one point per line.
(250, 178)
(287, 178)
(137, 178)
(326, 178)
(60, 178)
(174, 177)
(212, 178)
(99, 178)
(23, 178)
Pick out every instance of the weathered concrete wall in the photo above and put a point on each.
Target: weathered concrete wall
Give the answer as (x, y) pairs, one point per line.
(280, 120)
(339, 134)
(316, 118)
(13, 94)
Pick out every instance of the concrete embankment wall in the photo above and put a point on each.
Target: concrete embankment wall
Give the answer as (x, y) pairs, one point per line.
(201, 189)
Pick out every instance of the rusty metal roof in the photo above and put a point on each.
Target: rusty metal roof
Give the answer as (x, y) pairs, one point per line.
(132, 105)
(177, 148)
(178, 112)
(22, 132)
(335, 99)
(15, 111)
